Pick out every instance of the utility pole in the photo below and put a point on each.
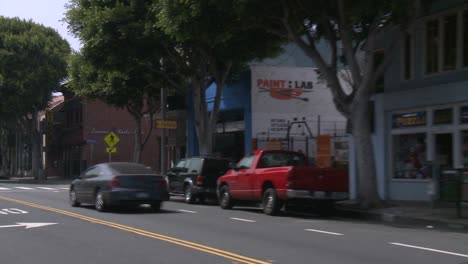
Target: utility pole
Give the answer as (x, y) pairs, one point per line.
(163, 132)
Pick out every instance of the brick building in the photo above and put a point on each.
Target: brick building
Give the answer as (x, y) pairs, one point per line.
(74, 136)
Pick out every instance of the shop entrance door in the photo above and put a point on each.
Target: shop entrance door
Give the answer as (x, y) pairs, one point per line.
(444, 150)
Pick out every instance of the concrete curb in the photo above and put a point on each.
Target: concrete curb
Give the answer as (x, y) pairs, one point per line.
(395, 219)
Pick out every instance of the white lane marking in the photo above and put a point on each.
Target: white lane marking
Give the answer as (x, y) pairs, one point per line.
(24, 188)
(46, 188)
(10, 211)
(4, 189)
(13, 211)
(430, 249)
(324, 232)
(64, 188)
(243, 220)
(187, 211)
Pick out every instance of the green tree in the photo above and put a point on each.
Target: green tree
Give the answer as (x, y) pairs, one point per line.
(33, 63)
(214, 42)
(352, 30)
(120, 60)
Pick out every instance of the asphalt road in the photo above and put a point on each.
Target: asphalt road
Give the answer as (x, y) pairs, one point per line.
(183, 233)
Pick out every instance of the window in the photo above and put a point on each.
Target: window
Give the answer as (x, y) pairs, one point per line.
(246, 162)
(464, 115)
(450, 42)
(281, 159)
(408, 60)
(443, 116)
(465, 148)
(180, 164)
(432, 46)
(195, 165)
(409, 155)
(465, 38)
(91, 172)
(411, 119)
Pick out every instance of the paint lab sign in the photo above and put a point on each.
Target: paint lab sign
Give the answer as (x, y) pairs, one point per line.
(281, 95)
(285, 89)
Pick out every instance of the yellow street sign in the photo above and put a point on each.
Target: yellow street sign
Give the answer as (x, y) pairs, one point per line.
(169, 124)
(111, 150)
(111, 139)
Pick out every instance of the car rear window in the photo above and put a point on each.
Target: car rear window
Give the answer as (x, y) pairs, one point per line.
(281, 159)
(215, 166)
(130, 168)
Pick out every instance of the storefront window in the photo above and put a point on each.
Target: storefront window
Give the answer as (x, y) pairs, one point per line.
(465, 148)
(464, 115)
(409, 154)
(411, 119)
(443, 116)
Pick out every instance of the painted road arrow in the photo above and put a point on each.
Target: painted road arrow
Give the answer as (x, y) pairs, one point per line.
(28, 225)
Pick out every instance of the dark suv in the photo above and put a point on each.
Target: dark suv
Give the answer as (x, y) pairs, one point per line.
(195, 177)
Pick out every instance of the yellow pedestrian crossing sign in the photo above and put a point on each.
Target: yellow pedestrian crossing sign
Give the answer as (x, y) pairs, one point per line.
(111, 139)
(111, 150)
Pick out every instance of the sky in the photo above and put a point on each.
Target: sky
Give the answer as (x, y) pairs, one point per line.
(45, 12)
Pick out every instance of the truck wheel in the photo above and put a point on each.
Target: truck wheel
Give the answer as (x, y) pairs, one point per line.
(188, 195)
(271, 203)
(225, 200)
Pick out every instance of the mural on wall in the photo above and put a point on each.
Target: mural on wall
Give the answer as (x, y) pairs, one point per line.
(281, 95)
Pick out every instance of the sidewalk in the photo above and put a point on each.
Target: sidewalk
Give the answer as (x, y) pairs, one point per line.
(30, 180)
(419, 214)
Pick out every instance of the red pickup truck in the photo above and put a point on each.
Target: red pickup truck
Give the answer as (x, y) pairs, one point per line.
(277, 177)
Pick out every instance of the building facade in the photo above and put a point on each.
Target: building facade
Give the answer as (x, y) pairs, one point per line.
(278, 103)
(422, 116)
(75, 137)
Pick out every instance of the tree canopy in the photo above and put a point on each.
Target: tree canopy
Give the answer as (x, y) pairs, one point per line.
(216, 42)
(33, 63)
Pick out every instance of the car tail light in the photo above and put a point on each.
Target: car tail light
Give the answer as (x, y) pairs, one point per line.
(199, 180)
(115, 182)
(163, 184)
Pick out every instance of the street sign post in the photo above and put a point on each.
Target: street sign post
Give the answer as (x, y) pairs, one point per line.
(111, 139)
(111, 150)
(168, 124)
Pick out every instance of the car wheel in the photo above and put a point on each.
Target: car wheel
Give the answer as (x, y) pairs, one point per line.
(188, 195)
(72, 198)
(99, 203)
(225, 200)
(156, 206)
(271, 203)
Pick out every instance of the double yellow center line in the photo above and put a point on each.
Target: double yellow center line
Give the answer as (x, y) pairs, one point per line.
(210, 250)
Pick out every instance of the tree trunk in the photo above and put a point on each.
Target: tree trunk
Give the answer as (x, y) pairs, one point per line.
(361, 130)
(202, 119)
(4, 152)
(36, 169)
(138, 146)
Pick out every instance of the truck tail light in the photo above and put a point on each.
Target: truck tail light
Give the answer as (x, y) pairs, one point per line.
(290, 184)
(199, 180)
(115, 182)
